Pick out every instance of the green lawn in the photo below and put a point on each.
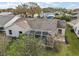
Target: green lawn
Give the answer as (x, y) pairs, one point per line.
(73, 47)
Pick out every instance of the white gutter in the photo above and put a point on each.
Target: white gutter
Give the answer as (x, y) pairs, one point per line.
(12, 21)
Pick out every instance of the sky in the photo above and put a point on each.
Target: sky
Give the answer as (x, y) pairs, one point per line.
(68, 5)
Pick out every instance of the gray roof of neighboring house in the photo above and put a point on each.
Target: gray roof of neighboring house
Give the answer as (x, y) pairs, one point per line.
(5, 13)
(43, 24)
(47, 14)
(5, 18)
(61, 24)
(75, 21)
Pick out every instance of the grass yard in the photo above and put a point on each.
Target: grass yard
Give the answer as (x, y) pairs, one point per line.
(73, 47)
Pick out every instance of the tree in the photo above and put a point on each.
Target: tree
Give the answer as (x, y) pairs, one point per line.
(25, 45)
(34, 8)
(28, 8)
(65, 17)
(21, 9)
(9, 10)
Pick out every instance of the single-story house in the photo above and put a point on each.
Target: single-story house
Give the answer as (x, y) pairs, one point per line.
(40, 28)
(32, 26)
(75, 26)
(76, 29)
(75, 14)
(14, 25)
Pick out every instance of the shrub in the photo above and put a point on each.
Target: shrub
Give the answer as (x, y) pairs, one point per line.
(65, 17)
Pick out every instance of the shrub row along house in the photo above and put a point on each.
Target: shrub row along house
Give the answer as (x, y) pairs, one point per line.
(14, 25)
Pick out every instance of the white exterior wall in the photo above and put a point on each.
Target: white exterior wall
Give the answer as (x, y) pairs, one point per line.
(76, 31)
(15, 30)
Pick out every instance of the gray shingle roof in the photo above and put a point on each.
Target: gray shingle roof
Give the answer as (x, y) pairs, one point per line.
(21, 23)
(43, 24)
(75, 21)
(5, 18)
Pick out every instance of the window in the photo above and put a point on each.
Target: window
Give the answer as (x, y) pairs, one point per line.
(44, 37)
(75, 28)
(60, 31)
(38, 32)
(75, 17)
(20, 32)
(10, 31)
(37, 36)
(78, 31)
(1, 28)
(45, 33)
(32, 31)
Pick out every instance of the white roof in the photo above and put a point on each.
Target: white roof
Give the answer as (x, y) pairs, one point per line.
(5, 13)
(12, 21)
(47, 14)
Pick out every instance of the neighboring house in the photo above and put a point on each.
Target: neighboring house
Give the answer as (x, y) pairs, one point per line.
(76, 10)
(76, 29)
(75, 23)
(75, 26)
(75, 15)
(5, 13)
(6, 19)
(47, 15)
